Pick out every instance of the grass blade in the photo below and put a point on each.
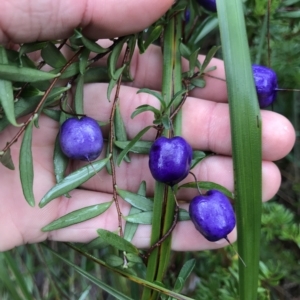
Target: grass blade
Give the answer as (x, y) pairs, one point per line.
(246, 141)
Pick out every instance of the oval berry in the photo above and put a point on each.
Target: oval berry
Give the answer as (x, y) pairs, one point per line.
(212, 215)
(170, 159)
(81, 138)
(265, 80)
(210, 5)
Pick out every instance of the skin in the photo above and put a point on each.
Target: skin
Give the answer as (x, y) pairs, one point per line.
(205, 119)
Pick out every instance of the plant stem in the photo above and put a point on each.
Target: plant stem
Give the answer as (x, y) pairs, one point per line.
(164, 203)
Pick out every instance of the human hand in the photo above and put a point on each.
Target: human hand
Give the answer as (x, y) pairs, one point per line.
(205, 127)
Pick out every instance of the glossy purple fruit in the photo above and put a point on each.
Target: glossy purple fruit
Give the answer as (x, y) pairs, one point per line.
(81, 138)
(210, 5)
(170, 159)
(266, 85)
(212, 215)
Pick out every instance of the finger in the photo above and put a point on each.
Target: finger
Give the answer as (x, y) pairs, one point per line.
(216, 169)
(146, 69)
(206, 124)
(87, 231)
(27, 21)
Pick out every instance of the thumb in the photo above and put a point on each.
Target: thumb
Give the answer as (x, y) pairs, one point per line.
(28, 21)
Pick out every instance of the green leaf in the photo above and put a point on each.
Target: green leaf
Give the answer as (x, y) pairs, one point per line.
(78, 216)
(130, 228)
(115, 293)
(157, 95)
(97, 243)
(211, 53)
(140, 218)
(26, 106)
(113, 81)
(6, 92)
(131, 144)
(73, 180)
(116, 241)
(19, 279)
(153, 34)
(136, 200)
(83, 61)
(207, 185)
(113, 260)
(197, 157)
(54, 114)
(113, 58)
(246, 136)
(198, 82)
(146, 107)
(78, 99)
(6, 160)
(120, 129)
(13, 73)
(96, 74)
(140, 147)
(71, 71)
(52, 56)
(92, 45)
(60, 161)
(184, 273)
(26, 165)
(31, 47)
(146, 217)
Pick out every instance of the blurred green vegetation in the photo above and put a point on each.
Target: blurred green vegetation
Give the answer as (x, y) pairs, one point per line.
(33, 272)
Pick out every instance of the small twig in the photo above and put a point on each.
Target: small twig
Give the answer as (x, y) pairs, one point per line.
(163, 238)
(111, 144)
(15, 138)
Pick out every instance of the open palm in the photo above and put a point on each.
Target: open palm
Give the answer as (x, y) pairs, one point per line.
(205, 119)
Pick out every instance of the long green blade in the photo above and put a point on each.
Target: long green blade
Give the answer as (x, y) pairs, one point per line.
(246, 141)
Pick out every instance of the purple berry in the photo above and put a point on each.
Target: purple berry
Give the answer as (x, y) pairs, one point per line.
(170, 159)
(266, 85)
(208, 4)
(81, 138)
(212, 215)
(187, 15)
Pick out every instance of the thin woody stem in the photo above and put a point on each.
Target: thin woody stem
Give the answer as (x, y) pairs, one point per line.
(15, 138)
(111, 144)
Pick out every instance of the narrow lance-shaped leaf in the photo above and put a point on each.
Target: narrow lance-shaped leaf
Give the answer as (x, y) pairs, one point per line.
(211, 53)
(13, 73)
(78, 216)
(130, 228)
(157, 95)
(114, 80)
(113, 58)
(52, 56)
(73, 180)
(146, 217)
(26, 165)
(141, 147)
(78, 103)
(131, 144)
(6, 92)
(184, 273)
(136, 200)
(83, 60)
(116, 241)
(6, 160)
(146, 107)
(207, 185)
